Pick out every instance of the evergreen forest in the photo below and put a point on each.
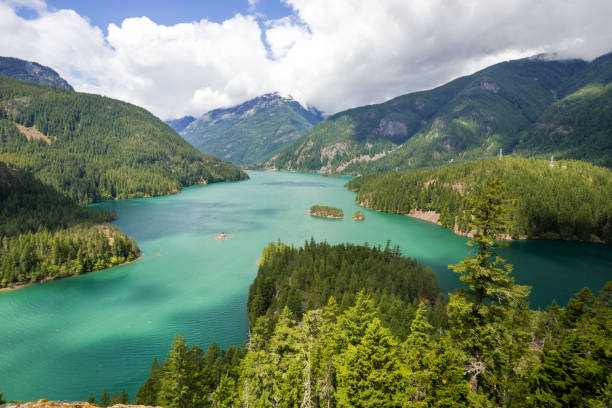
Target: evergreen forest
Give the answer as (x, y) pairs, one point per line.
(46, 235)
(569, 200)
(94, 148)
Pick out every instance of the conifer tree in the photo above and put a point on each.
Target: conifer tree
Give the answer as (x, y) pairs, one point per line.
(105, 398)
(371, 373)
(285, 374)
(354, 322)
(225, 396)
(420, 329)
(328, 356)
(124, 398)
(445, 384)
(477, 312)
(174, 391)
(114, 399)
(91, 399)
(147, 394)
(417, 354)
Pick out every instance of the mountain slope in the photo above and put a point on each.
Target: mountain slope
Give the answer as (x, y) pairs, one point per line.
(569, 200)
(252, 131)
(180, 124)
(578, 126)
(46, 235)
(95, 148)
(32, 72)
(466, 119)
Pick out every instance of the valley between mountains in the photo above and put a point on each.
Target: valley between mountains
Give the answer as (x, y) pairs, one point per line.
(502, 299)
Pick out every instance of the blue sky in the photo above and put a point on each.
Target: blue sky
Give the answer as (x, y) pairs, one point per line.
(104, 12)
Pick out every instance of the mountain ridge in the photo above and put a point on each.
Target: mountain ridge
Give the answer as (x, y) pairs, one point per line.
(253, 130)
(32, 72)
(469, 118)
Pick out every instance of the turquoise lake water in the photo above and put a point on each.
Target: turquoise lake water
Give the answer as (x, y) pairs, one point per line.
(65, 339)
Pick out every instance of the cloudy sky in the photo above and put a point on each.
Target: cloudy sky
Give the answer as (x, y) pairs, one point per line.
(187, 57)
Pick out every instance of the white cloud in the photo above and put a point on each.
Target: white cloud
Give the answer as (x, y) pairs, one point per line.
(252, 4)
(283, 34)
(334, 55)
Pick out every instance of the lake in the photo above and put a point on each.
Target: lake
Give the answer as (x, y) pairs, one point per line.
(65, 339)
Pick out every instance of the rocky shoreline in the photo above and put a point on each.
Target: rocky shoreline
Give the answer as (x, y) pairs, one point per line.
(43, 403)
(319, 214)
(434, 217)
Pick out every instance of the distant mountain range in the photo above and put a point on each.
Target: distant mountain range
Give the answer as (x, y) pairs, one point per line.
(532, 106)
(252, 131)
(180, 124)
(32, 72)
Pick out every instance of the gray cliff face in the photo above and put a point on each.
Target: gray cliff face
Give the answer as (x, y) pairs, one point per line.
(33, 72)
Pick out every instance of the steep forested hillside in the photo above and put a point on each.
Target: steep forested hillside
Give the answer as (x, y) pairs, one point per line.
(253, 130)
(568, 201)
(32, 72)
(44, 234)
(524, 106)
(305, 278)
(94, 148)
(578, 126)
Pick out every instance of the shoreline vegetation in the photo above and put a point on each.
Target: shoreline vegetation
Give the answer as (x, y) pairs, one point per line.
(324, 211)
(564, 200)
(44, 255)
(48, 279)
(45, 235)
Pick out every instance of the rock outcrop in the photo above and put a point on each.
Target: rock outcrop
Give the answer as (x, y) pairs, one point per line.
(43, 403)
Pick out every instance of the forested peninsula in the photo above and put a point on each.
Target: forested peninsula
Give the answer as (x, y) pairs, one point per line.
(46, 235)
(356, 326)
(60, 150)
(93, 148)
(568, 199)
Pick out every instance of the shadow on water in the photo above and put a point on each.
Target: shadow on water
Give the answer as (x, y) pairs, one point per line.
(148, 222)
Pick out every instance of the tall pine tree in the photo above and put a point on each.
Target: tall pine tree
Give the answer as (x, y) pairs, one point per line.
(477, 312)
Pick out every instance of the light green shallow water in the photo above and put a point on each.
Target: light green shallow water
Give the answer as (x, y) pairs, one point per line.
(67, 338)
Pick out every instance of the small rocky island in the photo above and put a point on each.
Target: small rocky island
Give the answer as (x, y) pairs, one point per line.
(326, 212)
(222, 236)
(358, 216)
